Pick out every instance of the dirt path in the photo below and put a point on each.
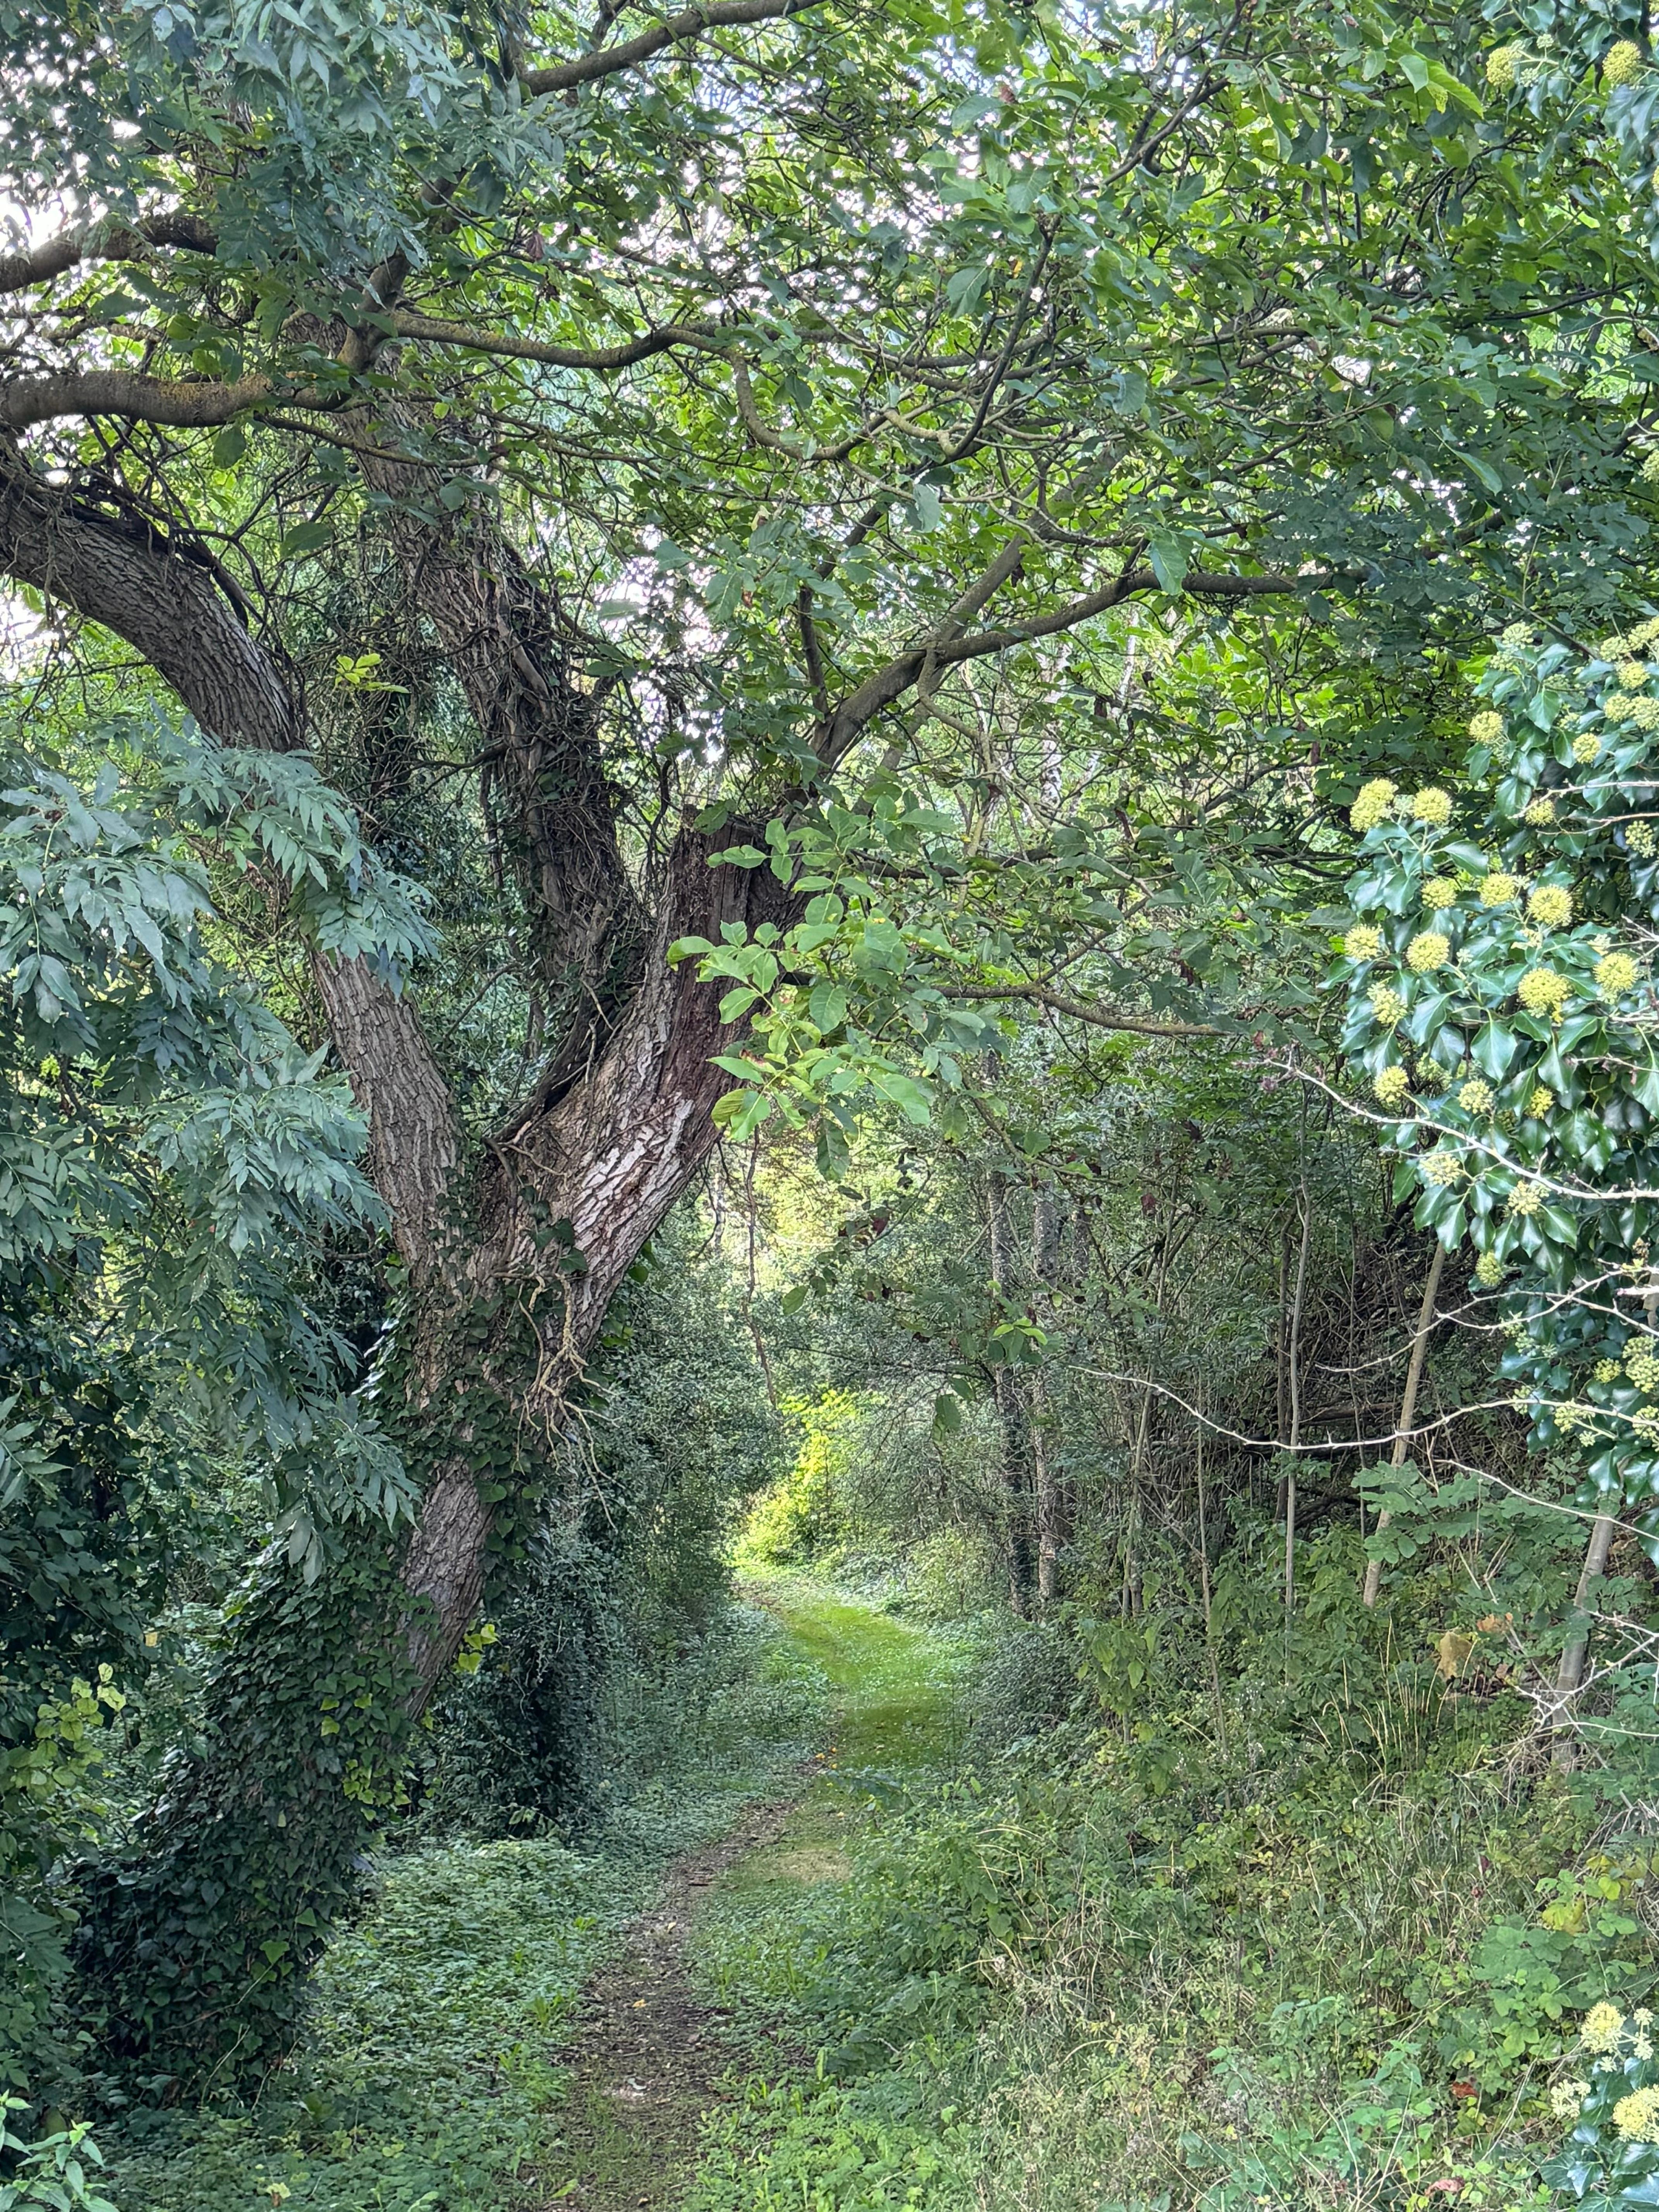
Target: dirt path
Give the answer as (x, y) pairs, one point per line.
(653, 2059)
(649, 2056)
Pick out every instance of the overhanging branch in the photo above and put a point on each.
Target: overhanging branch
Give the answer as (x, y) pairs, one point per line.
(1100, 1017)
(104, 242)
(689, 23)
(892, 681)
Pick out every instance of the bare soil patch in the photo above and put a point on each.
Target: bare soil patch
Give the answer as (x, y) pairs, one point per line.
(649, 2057)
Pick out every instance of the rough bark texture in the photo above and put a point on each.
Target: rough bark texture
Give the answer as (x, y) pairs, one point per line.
(613, 1135)
(414, 1144)
(543, 768)
(117, 570)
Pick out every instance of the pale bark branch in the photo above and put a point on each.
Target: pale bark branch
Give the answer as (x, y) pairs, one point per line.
(705, 337)
(891, 681)
(183, 402)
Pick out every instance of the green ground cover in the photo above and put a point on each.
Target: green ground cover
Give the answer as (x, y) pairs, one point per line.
(430, 2080)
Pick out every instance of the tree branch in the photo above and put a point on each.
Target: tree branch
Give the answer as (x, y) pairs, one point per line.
(1100, 1017)
(104, 242)
(706, 337)
(689, 23)
(889, 682)
(182, 404)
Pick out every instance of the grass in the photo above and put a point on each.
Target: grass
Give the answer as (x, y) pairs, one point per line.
(765, 1948)
(429, 2080)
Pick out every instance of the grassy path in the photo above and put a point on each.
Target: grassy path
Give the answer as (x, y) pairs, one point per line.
(655, 2041)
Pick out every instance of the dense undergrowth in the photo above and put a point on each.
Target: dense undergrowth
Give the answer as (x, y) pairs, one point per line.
(428, 2078)
(1298, 1964)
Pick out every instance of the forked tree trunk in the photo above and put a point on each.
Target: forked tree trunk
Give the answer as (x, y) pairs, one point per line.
(195, 1940)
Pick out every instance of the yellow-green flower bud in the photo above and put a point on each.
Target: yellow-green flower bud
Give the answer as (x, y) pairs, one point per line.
(1542, 811)
(1372, 804)
(1504, 67)
(1393, 1087)
(1441, 1169)
(1497, 888)
(1387, 1005)
(1607, 1370)
(1551, 906)
(1540, 1100)
(1475, 1097)
(1616, 975)
(1486, 728)
(1433, 806)
(1438, 893)
(1586, 749)
(1621, 63)
(1363, 942)
(1526, 1198)
(1489, 1270)
(1541, 991)
(1427, 950)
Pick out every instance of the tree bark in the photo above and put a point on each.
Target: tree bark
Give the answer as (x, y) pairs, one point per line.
(1403, 1432)
(1011, 1414)
(1570, 1676)
(200, 1938)
(1045, 1444)
(1294, 1370)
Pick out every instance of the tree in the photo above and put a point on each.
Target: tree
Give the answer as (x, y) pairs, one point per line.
(165, 1140)
(721, 406)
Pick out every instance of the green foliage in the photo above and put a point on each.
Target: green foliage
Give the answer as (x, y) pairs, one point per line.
(1611, 2158)
(50, 2171)
(427, 2070)
(800, 1518)
(609, 1618)
(50, 1804)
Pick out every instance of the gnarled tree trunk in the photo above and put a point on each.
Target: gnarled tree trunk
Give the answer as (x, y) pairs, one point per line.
(197, 1940)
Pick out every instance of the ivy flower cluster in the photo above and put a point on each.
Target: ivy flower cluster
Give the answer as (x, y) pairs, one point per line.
(1622, 63)
(1626, 645)
(1428, 951)
(1541, 991)
(1518, 1006)
(1615, 974)
(1551, 906)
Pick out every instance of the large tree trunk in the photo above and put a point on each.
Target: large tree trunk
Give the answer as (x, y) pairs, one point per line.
(197, 1939)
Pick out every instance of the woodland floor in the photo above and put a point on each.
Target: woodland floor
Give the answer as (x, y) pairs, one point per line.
(652, 2054)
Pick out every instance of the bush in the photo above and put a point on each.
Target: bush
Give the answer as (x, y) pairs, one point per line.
(1029, 1682)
